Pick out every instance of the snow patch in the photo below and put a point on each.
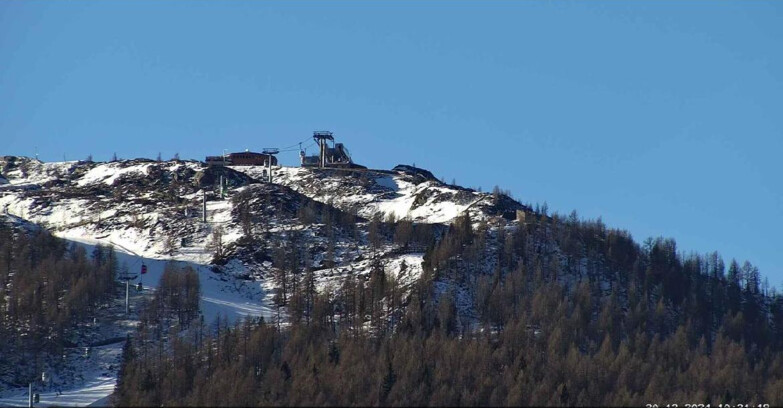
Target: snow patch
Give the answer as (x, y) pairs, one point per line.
(109, 172)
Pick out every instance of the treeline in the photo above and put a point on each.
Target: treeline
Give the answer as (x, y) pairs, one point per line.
(562, 312)
(606, 275)
(255, 363)
(46, 289)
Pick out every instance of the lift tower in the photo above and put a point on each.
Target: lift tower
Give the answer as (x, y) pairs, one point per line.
(270, 151)
(320, 137)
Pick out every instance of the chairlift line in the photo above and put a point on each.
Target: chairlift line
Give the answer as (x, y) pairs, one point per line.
(295, 144)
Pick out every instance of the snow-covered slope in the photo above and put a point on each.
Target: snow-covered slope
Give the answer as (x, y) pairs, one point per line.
(152, 213)
(154, 209)
(23, 171)
(402, 194)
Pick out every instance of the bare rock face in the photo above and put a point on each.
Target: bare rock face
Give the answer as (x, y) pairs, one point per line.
(414, 171)
(210, 177)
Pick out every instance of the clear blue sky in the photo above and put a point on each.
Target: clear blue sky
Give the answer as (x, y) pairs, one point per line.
(665, 118)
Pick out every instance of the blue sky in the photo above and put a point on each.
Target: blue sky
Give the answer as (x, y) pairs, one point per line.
(664, 118)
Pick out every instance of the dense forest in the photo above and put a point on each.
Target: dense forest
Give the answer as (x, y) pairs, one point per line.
(560, 311)
(47, 289)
